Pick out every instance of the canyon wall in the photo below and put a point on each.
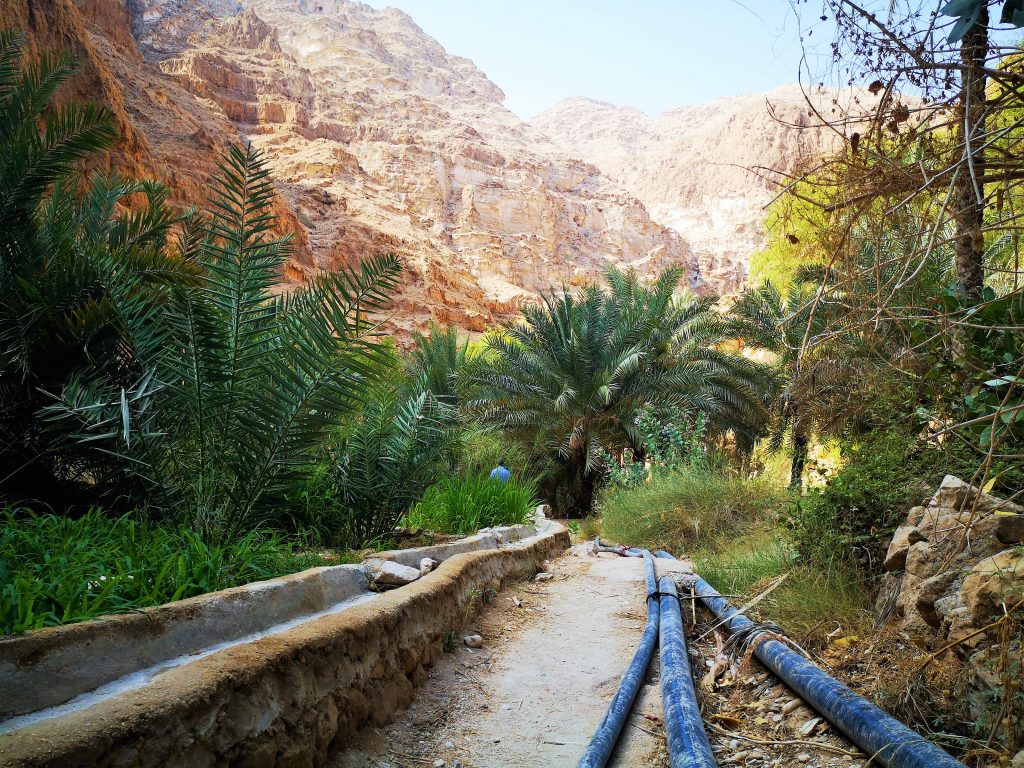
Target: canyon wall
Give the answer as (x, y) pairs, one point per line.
(709, 170)
(378, 140)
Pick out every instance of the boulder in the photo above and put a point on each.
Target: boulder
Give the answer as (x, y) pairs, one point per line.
(931, 591)
(993, 581)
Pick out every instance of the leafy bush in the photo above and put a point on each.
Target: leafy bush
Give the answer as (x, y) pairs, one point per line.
(854, 516)
(55, 570)
(466, 504)
(688, 510)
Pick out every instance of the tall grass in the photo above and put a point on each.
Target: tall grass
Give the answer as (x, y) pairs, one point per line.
(809, 603)
(55, 570)
(688, 510)
(466, 504)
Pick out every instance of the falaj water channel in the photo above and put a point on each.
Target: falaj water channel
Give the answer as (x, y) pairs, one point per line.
(553, 655)
(351, 678)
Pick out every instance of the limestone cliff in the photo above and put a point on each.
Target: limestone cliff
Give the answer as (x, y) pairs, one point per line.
(708, 170)
(378, 140)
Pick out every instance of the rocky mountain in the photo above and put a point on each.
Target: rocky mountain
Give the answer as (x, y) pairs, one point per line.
(377, 137)
(706, 171)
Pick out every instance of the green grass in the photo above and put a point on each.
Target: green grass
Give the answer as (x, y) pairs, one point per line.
(731, 528)
(810, 602)
(464, 505)
(687, 511)
(56, 570)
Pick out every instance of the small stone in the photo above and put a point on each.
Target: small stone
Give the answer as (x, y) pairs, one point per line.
(543, 577)
(791, 706)
(391, 574)
(427, 564)
(439, 763)
(449, 745)
(808, 727)
(803, 757)
(473, 641)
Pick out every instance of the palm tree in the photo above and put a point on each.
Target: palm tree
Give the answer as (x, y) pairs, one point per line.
(80, 285)
(245, 387)
(580, 367)
(766, 320)
(441, 358)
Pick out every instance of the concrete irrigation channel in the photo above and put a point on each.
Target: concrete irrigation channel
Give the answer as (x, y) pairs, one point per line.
(316, 669)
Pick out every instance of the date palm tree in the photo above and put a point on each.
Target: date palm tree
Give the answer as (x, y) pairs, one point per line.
(576, 372)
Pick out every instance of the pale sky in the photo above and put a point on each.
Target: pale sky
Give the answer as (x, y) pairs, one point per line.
(650, 54)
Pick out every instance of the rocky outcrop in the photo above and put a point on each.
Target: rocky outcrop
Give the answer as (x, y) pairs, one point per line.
(378, 139)
(706, 170)
(954, 567)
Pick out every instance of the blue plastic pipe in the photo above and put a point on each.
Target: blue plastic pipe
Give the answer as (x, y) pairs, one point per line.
(688, 745)
(883, 738)
(601, 745)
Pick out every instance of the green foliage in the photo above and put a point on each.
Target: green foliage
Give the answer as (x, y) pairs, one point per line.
(81, 284)
(575, 374)
(464, 505)
(852, 519)
(689, 510)
(246, 386)
(440, 358)
(382, 462)
(56, 570)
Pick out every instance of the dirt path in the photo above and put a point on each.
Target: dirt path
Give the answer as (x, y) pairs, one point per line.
(534, 694)
(552, 657)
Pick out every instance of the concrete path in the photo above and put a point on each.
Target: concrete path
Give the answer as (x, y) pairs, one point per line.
(534, 694)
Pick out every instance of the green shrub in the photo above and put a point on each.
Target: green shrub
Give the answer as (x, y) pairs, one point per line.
(55, 570)
(854, 516)
(689, 510)
(467, 504)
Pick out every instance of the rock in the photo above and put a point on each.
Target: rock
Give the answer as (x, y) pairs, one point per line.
(791, 706)
(807, 729)
(391, 574)
(1009, 528)
(905, 537)
(990, 583)
(427, 564)
(544, 576)
(930, 592)
(473, 641)
(439, 763)
(1018, 760)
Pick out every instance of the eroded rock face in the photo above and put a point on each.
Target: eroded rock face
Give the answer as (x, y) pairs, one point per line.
(378, 138)
(706, 170)
(955, 566)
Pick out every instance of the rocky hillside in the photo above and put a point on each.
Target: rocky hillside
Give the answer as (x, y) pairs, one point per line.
(378, 138)
(707, 171)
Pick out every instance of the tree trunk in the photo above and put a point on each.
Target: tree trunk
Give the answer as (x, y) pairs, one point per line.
(588, 487)
(800, 443)
(968, 196)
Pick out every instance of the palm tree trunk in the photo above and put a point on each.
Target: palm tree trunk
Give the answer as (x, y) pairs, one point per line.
(588, 488)
(800, 444)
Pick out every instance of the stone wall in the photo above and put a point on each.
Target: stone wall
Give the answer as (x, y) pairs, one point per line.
(291, 698)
